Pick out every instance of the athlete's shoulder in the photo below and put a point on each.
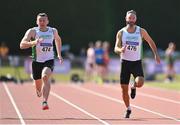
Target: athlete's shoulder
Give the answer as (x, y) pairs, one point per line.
(30, 31)
(120, 31)
(142, 30)
(34, 28)
(53, 29)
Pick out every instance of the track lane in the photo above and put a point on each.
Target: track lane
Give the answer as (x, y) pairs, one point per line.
(107, 110)
(8, 114)
(162, 104)
(141, 102)
(59, 113)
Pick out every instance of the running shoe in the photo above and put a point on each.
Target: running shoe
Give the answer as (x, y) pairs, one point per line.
(133, 92)
(127, 114)
(45, 106)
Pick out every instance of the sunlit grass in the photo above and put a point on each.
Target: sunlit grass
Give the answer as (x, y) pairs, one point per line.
(64, 78)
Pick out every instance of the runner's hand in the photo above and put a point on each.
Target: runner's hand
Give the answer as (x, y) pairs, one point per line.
(60, 59)
(39, 40)
(157, 58)
(123, 49)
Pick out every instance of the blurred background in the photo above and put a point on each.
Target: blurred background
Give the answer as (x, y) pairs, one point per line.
(80, 22)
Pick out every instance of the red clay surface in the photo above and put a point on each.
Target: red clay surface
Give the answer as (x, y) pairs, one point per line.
(88, 104)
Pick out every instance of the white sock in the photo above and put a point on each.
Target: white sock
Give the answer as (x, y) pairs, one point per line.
(128, 108)
(133, 85)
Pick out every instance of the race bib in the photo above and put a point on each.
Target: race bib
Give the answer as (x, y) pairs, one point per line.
(46, 47)
(132, 46)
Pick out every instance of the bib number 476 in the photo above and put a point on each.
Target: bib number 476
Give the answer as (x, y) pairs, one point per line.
(132, 48)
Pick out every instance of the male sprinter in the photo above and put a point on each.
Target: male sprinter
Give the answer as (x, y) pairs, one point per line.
(41, 40)
(129, 45)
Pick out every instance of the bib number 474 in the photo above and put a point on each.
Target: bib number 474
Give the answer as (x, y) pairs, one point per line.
(46, 49)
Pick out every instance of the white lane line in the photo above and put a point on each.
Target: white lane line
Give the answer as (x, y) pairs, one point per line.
(150, 96)
(158, 98)
(100, 124)
(121, 102)
(78, 108)
(14, 104)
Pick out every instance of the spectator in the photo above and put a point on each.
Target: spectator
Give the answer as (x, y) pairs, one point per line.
(106, 60)
(90, 61)
(99, 59)
(4, 50)
(170, 73)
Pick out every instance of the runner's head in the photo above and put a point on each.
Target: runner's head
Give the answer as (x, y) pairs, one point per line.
(172, 45)
(131, 18)
(91, 45)
(106, 45)
(42, 20)
(98, 44)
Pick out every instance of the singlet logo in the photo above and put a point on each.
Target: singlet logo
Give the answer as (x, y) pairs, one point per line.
(46, 36)
(132, 38)
(137, 32)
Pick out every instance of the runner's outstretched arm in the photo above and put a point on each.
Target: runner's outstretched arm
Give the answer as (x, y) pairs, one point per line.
(152, 44)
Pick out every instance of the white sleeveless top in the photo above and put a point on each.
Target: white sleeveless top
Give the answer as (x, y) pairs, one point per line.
(43, 51)
(133, 42)
(90, 55)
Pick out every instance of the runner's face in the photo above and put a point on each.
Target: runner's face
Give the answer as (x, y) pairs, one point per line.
(42, 21)
(131, 19)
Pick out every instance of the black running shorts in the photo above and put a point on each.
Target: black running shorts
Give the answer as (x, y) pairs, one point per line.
(130, 67)
(37, 68)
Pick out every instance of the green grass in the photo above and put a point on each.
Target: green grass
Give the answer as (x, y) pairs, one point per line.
(171, 85)
(66, 77)
(23, 75)
(161, 83)
(14, 72)
(161, 77)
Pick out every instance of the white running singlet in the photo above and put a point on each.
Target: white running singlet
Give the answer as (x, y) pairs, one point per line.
(44, 51)
(133, 43)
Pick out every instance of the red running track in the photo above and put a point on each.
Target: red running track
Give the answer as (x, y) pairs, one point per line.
(87, 104)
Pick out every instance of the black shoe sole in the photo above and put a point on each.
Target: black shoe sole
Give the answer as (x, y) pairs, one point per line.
(133, 93)
(127, 114)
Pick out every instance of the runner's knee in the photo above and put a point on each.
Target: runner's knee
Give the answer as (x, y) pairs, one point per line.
(45, 77)
(46, 73)
(139, 81)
